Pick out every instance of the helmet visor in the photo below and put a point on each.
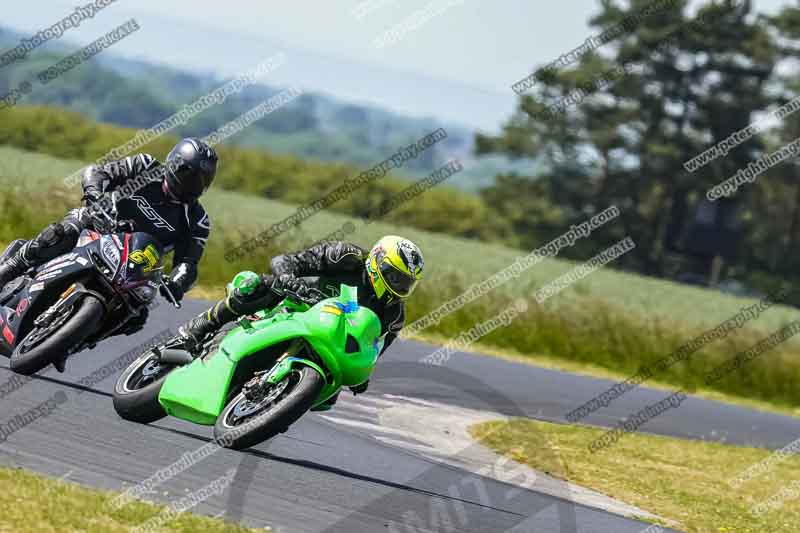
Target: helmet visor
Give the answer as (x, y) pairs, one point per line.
(189, 181)
(396, 281)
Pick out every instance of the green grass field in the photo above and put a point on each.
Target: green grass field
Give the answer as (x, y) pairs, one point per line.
(612, 320)
(684, 481)
(33, 503)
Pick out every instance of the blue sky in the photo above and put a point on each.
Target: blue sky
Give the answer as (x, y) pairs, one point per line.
(458, 65)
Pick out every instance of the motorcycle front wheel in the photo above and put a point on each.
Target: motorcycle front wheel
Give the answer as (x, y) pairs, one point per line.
(43, 345)
(244, 423)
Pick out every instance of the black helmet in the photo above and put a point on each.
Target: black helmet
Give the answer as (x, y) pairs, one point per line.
(191, 166)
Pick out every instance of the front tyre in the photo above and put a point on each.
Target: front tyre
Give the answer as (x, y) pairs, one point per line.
(44, 345)
(137, 388)
(244, 423)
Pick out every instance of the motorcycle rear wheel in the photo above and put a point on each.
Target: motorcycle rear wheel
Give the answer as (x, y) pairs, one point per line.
(137, 388)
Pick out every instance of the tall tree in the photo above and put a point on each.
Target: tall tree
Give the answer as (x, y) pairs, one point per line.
(665, 89)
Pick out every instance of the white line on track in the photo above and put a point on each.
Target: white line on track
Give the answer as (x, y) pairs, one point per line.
(422, 448)
(368, 426)
(364, 408)
(417, 401)
(373, 400)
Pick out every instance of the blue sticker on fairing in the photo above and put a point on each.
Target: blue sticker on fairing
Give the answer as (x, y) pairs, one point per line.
(351, 307)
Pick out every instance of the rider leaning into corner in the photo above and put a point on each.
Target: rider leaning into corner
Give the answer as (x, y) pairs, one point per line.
(168, 209)
(385, 277)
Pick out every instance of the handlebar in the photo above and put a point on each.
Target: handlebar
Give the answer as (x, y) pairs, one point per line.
(104, 222)
(306, 300)
(316, 294)
(170, 297)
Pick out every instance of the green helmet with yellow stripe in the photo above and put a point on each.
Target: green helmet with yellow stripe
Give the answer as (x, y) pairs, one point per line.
(394, 266)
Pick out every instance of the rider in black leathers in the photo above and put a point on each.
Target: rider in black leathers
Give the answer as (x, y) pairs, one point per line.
(384, 276)
(164, 203)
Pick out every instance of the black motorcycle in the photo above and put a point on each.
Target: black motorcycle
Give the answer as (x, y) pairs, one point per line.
(78, 299)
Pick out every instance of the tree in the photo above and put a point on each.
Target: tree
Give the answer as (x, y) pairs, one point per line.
(617, 126)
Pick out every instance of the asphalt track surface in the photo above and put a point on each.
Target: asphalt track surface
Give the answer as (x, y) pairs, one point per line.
(327, 477)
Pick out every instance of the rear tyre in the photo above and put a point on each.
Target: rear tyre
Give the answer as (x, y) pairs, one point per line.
(243, 423)
(42, 346)
(137, 388)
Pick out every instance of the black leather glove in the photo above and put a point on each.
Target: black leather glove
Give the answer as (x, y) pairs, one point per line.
(174, 287)
(126, 226)
(90, 197)
(83, 215)
(360, 389)
(287, 282)
(92, 217)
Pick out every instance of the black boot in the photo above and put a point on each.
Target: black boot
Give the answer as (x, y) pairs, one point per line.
(199, 328)
(188, 339)
(54, 240)
(12, 268)
(190, 336)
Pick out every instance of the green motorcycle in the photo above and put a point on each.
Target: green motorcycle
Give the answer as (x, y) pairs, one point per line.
(254, 380)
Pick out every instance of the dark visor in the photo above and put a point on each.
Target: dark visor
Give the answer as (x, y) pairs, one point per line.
(191, 184)
(399, 282)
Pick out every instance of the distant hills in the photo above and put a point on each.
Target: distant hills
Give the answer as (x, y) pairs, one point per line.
(140, 94)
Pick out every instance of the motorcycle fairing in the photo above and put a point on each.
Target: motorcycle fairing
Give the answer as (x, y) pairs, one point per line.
(198, 392)
(26, 302)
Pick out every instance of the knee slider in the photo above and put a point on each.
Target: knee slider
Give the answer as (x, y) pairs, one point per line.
(54, 240)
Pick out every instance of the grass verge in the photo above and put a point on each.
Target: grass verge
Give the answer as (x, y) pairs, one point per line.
(680, 480)
(33, 503)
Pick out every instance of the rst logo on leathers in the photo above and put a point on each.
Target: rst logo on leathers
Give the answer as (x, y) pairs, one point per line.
(150, 213)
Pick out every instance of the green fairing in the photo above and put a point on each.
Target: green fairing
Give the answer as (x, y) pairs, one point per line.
(198, 392)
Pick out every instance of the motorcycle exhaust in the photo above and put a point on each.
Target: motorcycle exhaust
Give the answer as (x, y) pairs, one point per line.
(176, 357)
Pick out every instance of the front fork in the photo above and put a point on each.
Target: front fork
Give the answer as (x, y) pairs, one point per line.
(259, 384)
(67, 298)
(266, 379)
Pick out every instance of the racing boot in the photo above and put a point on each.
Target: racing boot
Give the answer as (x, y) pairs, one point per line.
(54, 240)
(192, 335)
